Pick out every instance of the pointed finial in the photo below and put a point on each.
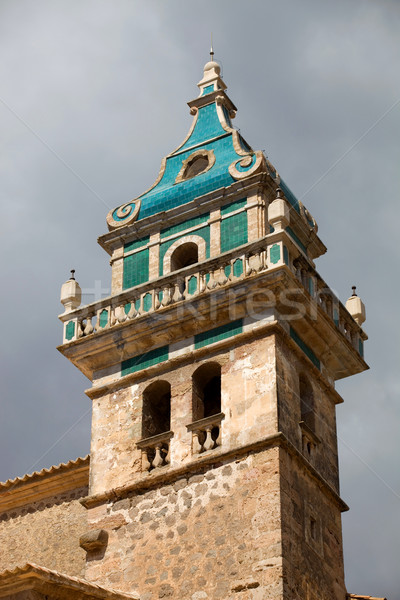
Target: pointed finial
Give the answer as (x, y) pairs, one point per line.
(353, 287)
(72, 274)
(211, 50)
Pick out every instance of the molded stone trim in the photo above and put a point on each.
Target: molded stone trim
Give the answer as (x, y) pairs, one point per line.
(195, 239)
(203, 461)
(209, 154)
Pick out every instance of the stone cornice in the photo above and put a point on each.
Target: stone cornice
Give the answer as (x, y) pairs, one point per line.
(200, 462)
(210, 98)
(123, 340)
(198, 206)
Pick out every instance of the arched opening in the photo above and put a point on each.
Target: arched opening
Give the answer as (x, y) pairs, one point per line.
(307, 406)
(156, 412)
(184, 255)
(197, 165)
(206, 391)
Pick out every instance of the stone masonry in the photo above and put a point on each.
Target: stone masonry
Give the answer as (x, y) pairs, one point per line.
(41, 519)
(214, 463)
(210, 535)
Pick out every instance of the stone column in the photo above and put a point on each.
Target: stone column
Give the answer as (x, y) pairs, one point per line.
(215, 232)
(255, 215)
(154, 256)
(117, 270)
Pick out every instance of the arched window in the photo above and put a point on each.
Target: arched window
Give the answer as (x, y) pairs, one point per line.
(198, 162)
(156, 412)
(184, 255)
(206, 391)
(307, 406)
(195, 166)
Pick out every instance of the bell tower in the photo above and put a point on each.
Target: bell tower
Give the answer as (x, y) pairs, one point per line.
(214, 468)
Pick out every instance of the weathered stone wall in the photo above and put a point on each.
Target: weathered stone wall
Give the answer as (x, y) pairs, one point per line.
(311, 536)
(248, 389)
(324, 456)
(224, 532)
(45, 532)
(212, 535)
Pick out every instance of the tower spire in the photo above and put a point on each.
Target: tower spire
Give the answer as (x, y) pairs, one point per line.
(212, 75)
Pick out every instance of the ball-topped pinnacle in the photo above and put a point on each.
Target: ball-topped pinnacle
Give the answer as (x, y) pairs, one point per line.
(212, 64)
(211, 80)
(71, 293)
(356, 307)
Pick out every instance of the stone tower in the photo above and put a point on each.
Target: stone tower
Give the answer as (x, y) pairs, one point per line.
(214, 469)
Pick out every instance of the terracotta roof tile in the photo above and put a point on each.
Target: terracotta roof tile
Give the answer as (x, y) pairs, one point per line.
(34, 576)
(58, 469)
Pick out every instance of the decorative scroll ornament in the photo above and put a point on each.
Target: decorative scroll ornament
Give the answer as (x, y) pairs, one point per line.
(123, 215)
(248, 165)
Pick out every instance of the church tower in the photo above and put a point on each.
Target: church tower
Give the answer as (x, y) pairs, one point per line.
(214, 467)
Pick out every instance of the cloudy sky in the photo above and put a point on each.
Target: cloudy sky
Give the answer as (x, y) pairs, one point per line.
(92, 96)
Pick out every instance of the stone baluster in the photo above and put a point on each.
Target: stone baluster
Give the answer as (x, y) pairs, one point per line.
(196, 446)
(167, 458)
(202, 433)
(79, 330)
(145, 461)
(166, 299)
(155, 450)
(202, 282)
(158, 460)
(222, 278)
(212, 284)
(132, 313)
(156, 299)
(209, 442)
(179, 289)
(88, 327)
(247, 267)
(119, 314)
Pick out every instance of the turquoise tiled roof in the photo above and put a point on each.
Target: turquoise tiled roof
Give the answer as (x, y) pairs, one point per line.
(212, 131)
(208, 134)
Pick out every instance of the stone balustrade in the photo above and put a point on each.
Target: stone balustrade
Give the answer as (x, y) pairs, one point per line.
(206, 433)
(194, 280)
(330, 304)
(155, 450)
(151, 296)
